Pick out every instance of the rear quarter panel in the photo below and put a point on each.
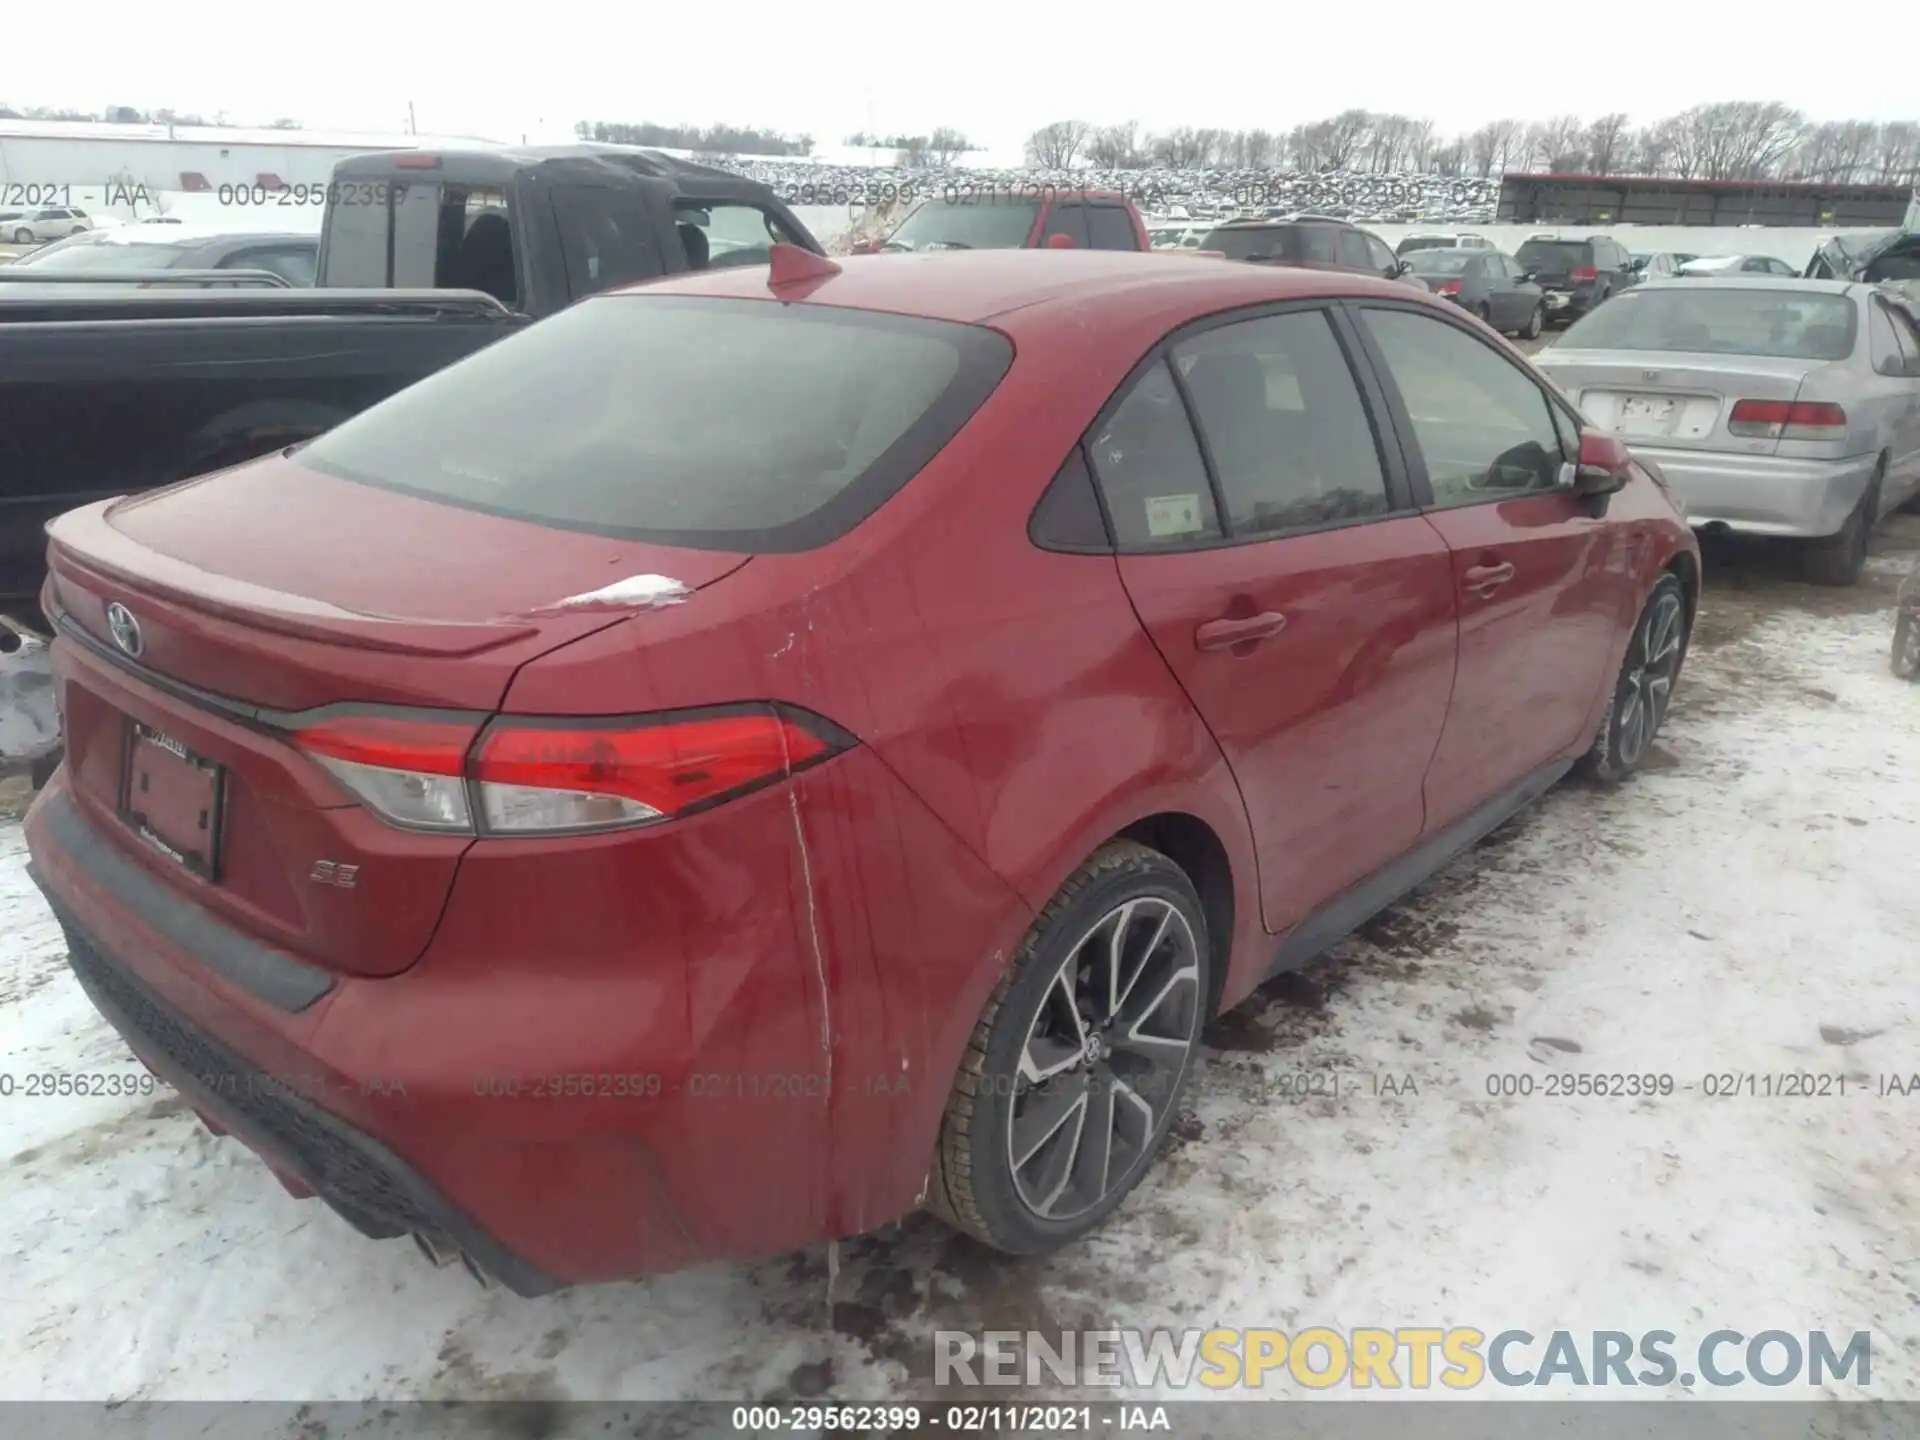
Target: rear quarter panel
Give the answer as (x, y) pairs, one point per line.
(1010, 694)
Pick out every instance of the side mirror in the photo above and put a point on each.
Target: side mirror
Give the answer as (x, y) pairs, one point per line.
(1061, 241)
(1604, 465)
(865, 247)
(1529, 275)
(1402, 267)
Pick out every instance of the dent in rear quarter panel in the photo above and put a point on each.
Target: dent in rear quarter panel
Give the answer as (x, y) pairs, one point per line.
(830, 931)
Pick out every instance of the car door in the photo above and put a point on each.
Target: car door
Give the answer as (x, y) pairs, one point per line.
(1894, 355)
(1066, 217)
(1543, 586)
(1271, 548)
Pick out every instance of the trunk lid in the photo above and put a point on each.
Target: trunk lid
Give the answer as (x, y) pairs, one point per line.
(1674, 400)
(268, 590)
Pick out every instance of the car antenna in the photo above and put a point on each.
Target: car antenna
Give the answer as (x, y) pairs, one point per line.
(791, 265)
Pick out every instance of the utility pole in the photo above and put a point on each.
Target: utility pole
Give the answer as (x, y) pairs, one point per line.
(412, 128)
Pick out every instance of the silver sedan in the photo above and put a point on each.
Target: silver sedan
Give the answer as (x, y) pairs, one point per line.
(1780, 407)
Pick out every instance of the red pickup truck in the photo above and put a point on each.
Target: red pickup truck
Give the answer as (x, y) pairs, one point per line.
(1016, 218)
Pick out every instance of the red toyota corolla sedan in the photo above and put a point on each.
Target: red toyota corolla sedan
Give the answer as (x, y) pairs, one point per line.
(758, 753)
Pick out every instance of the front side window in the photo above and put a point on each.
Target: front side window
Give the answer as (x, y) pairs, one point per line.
(1284, 423)
(1151, 476)
(1486, 431)
(730, 234)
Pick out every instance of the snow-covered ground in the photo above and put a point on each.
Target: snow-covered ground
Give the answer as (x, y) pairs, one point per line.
(1747, 906)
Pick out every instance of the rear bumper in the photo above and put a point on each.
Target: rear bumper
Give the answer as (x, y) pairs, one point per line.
(1764, 494)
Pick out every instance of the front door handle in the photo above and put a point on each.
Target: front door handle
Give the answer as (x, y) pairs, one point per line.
(1484, 578)
(1225, 634)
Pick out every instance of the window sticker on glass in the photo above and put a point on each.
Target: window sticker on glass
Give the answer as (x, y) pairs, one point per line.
(1174, 515)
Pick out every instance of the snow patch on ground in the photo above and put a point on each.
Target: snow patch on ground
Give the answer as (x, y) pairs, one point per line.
(1747, 906)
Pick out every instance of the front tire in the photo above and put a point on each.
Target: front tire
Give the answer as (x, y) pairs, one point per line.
(1645, 685)
(1076, 1067)
(1536, 322)
(23, 237)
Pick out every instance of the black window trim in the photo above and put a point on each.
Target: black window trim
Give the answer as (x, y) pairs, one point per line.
(1416, 462)
(1402, 496)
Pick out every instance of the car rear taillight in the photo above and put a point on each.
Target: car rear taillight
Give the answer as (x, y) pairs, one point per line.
(1583, 274)
(528, 776)
(413, 160)
(1448, 287)
(1783, 420)
(408, 771)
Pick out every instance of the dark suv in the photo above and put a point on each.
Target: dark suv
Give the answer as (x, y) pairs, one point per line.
(1315, 244)
(1577, 275)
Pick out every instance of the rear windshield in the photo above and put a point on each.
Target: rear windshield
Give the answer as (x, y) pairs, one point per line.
(1293, 243)
(1440, 262)
(714, 424)
(1712, 320)
(1554, 254)
(985, 222)
(1422, 242)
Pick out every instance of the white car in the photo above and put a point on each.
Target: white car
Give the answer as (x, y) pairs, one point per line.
(30, 227)
(1705, 266)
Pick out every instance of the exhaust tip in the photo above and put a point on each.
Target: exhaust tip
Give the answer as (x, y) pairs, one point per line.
(484, 1280)
(439, 1254)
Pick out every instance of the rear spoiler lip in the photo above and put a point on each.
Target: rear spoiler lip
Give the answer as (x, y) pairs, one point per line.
(84, 544)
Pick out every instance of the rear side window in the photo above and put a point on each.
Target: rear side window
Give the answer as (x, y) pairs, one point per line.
(292, 264)
(1110, 228)
(714, 424)
(425, 236)
(1710, 320)
(1284, 423)
(967, 222)
(1151, 475)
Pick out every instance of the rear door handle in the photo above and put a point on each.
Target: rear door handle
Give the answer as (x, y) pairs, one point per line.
(1225, 634)
(1487, 577)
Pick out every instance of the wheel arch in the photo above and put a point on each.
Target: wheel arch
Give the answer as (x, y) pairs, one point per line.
(1191, 843)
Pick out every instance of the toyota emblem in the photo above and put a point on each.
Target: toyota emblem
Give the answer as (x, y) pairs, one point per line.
(126, 629)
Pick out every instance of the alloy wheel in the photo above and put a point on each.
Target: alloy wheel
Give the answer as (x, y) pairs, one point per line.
(1102, 1058)
(1650, 676)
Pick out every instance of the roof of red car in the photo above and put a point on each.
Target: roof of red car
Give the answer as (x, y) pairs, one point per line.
(972, 286)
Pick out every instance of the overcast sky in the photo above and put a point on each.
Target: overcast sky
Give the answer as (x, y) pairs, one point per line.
(994, 68)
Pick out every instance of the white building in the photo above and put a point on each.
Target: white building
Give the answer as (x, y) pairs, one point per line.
(38, 157)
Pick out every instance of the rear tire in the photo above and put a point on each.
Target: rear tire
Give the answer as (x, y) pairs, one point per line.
(1077, 1064)
(1839, 559)
(1644, 689)
(43, 768)
(1906, 644)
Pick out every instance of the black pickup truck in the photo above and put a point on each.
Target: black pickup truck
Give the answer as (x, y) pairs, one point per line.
(425, 257)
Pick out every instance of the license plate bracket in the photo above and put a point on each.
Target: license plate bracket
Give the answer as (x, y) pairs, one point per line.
(1648, 414)
(173, 799)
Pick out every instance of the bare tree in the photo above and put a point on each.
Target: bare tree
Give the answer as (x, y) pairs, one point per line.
(1346, 134)
(1115, 147)
(1259, 149)
(1492, 144)
(1896, 155)
(1056, 146)
(1606, 143)
(1450, 158)
(1184, 148)
(945, 145)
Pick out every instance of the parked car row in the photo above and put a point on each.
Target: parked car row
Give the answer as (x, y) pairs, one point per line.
(639, 706)
(31, 227)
